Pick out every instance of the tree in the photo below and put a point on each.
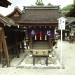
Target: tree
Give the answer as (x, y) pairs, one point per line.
(67, 8)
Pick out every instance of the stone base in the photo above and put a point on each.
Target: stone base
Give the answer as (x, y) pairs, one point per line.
(39, 66)
(53, 62)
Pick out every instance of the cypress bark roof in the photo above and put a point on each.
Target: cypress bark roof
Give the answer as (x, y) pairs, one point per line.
(36, 14)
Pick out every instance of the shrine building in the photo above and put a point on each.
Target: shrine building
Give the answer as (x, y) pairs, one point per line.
(39, 21)
(33, 28)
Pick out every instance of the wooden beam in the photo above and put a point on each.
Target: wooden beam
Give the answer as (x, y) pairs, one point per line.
(4, 3)
(5, 48)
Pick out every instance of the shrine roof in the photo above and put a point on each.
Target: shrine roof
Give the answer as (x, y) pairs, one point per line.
(36, 14)
(70, 20)
(16, 9)
(41, 7)
(6, 21)
(40, 14)
(4, 3)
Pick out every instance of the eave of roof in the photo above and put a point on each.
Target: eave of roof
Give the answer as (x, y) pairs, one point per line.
(4, 3)
(7, 21)
(15, 9)
(70, 20)
(41, 7)
(37, 22)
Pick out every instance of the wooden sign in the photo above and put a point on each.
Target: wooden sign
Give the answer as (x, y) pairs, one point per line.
(61, 23)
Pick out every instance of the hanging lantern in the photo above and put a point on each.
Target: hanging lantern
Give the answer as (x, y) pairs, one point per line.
(32, 32)
(49, 33)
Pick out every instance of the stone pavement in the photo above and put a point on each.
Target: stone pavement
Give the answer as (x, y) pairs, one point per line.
(68, 61)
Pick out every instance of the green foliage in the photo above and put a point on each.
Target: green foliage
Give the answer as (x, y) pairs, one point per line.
(67, 8)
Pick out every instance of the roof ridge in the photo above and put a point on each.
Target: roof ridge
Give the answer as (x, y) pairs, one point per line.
(16, 8)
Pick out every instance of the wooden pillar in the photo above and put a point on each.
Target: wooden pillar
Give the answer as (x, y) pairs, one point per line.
(35, 37)
(46, 61)
(0, 46)
(40, 36)
(50, 43)
(17, 50)
(45, 37)
(33, 60)
(30, 42)
(4, 47)
(26, 38)
(22, 43)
